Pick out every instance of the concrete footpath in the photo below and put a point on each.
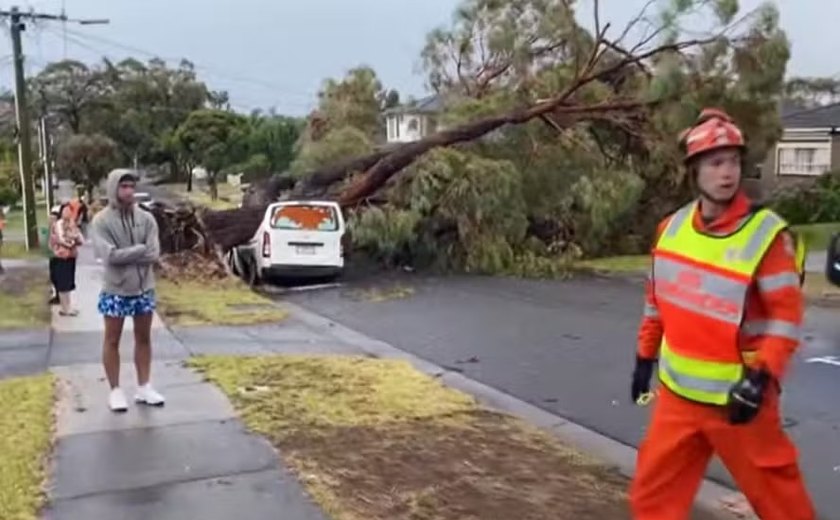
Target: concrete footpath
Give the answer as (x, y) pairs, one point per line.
(189, 459)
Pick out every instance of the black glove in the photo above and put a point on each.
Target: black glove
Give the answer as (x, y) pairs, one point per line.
(746, 396)
(641, 377)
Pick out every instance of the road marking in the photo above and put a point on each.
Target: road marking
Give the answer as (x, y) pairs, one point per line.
(828, 360)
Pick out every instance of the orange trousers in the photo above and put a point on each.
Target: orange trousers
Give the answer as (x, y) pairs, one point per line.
(680, 442)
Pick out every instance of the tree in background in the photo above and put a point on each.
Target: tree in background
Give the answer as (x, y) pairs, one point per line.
(812, 92)
(356, 101)
(87, 159)
(269, 145)
(70, 90)
(138, 105)
(213, 139)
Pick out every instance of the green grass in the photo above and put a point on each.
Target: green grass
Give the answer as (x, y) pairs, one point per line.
(229, 196)
(816, 236)
(617, 264)
(17, 250)
(375, 439)
(26, 427)
(23, 298)
(220, 302)
(14, 219)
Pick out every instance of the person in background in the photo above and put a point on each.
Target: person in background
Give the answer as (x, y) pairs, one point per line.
(55, 212)
(126, 240)
(83, 216)
(67, 240)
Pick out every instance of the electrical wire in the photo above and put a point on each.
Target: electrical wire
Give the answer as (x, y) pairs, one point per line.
(244, 79)
(78, 39)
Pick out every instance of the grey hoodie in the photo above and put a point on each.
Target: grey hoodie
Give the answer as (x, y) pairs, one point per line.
(126, 239)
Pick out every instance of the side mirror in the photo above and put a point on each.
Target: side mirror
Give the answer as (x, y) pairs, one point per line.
(832, 260)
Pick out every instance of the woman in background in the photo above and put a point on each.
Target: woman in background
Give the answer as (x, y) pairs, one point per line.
(67, 240)
(55, 212)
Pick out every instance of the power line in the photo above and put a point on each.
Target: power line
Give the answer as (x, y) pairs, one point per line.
(211, 70)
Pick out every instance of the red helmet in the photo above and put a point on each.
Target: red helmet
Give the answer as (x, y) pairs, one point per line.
(713, 129)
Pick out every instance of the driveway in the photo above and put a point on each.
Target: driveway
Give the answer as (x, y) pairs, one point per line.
(568, 347)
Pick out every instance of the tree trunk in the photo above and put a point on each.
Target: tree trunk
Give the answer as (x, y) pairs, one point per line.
(189, 178)
(212, 183)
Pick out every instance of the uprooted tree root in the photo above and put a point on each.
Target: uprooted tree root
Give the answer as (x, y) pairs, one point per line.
(186, 251)
(191, 265)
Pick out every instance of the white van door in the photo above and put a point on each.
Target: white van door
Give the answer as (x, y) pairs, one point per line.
(306, 233)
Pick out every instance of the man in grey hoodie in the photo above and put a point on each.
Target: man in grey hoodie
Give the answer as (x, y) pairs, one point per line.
(125, 238)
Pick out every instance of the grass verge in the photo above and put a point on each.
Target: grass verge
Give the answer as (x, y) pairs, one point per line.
(23, 298)
(17, 251)
(26, 427)
(376, 439)
(616, 264)
(817, 236)
(220, 302)
(229, 196)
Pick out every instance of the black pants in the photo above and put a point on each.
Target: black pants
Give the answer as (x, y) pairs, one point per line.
(63, 274)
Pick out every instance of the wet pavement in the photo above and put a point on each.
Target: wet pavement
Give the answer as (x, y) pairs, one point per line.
(568, 347)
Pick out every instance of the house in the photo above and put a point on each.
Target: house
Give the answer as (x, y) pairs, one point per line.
(413, 121)
(809, 147)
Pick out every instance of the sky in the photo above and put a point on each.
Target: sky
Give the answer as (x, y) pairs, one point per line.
(276, 53)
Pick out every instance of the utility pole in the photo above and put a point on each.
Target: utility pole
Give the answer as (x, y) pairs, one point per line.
(46, 161)
(22, 113)
(24, 147)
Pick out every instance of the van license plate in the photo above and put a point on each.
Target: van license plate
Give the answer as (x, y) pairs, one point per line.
(305, 250)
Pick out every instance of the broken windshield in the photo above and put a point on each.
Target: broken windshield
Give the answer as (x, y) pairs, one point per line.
(305, 217)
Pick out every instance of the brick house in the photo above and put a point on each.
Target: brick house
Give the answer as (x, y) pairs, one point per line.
(809, 147)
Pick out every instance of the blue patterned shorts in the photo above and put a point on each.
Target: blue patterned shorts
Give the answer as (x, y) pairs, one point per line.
(116, 306)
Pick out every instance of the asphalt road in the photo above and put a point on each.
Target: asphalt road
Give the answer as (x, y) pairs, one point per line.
(568, 347)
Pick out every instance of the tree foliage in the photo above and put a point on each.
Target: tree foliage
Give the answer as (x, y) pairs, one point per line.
(356, 101)
(212, 138)
(87, 159)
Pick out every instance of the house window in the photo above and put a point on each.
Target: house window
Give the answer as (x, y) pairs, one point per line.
(803, 159)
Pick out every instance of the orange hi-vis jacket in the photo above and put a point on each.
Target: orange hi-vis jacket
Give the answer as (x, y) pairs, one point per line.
(741, 319)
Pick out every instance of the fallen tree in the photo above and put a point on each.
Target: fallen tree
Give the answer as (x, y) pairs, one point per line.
(597, 61)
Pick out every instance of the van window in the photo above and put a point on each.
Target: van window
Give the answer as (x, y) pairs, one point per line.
(306, 217)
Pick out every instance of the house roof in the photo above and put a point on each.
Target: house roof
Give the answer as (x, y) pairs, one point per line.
(427, 105)
(827, 116)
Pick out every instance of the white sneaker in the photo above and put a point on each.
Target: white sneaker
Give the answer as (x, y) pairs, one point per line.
(117, 401)
(148, 395)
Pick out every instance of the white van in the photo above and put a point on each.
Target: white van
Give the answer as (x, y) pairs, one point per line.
(295, 239)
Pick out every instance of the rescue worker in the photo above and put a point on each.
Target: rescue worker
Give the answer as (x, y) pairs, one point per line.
(722, 317)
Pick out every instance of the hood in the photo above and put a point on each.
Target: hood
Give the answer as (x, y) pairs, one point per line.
(113, 183)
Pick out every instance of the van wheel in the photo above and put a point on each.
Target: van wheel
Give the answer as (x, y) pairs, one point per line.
(253, 276)
(232, 263)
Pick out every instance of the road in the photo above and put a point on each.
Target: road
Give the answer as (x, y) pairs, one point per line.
(568, 347)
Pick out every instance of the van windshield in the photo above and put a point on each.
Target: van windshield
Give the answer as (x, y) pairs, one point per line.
(305, 217)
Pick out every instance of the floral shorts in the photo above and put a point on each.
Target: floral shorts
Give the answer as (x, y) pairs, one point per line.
(116, 306)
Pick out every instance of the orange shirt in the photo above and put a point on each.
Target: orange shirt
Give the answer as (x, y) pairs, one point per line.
(774, 297)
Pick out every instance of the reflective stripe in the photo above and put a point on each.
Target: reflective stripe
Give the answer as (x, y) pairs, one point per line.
(713, 295)
(782, 329)
(711, 386)
(775, 282)
(678, 219)
(651, 311)
(768, 225)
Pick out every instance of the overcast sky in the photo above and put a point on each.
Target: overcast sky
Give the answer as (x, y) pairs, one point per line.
(276, 52)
